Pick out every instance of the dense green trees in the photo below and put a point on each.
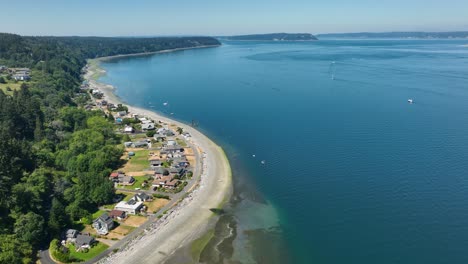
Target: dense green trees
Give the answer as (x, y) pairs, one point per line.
(56, 157)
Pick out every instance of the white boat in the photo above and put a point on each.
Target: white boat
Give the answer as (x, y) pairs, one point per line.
(165, 103)
(263, 162)
(410, 101)
(253, 155)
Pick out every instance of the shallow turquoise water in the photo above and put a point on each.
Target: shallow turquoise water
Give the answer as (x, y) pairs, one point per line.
(352, 173)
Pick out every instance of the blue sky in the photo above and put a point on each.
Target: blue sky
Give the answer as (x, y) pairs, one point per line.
(210, 17)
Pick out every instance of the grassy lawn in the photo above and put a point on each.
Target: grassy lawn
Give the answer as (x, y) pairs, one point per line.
(139, 162)
(11, 84)
(137, 184)
(123, 229)
(98, 213)
(135, 220)
(199, 244)
(93, 252)
(181, 142)
(128, 195)
(138, 136)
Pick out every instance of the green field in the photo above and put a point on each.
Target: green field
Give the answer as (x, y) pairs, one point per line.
(98, 213)
(138, 136)
(11, 84)
(181, 142)
(139, 162)
(93, 252)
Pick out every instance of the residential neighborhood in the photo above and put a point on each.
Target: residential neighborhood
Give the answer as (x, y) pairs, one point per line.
(158, 163)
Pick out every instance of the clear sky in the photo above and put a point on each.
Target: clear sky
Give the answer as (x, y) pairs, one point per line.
(218, 17)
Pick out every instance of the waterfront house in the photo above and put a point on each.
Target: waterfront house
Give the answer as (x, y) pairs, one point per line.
(21, 77)
(71, 234)
(115, 176)
(129, 129)
(181, 162)
(148, 126)
(174, 149)
(159, 137)
(172, 184)
(165, 132)
(128, 144)
(140, 144)
(129, 207)
(117, 214)
(161, 181)
(122, 113)
(176, 171)
(126, 180)
(142, 197)
(103, 224)
(186, 135)
(83, 241)
(160, 171)
(156, 163)
(171, 143)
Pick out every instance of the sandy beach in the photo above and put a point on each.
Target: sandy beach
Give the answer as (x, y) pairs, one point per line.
(188, 220)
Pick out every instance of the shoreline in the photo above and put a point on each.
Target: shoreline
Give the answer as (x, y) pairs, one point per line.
(153, 52)
(190, 218)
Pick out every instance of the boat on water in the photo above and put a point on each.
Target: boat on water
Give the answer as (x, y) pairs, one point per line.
(263, 162)
(410, 101)
(165, 103)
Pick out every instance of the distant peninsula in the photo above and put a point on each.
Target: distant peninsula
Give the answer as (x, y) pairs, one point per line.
(274, 37)
(408, 35)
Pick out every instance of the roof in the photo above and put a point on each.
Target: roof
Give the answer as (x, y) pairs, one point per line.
(131, 204)
(147, 126)
(172, 183)
(178, 160)
(140, 143)
(159, 170)
(156, 162)
(174, 148)
(126, 179)
(82, 240)
(175, 170)
(104, 218)
(114, 174)
(116, 213)
(143, 196)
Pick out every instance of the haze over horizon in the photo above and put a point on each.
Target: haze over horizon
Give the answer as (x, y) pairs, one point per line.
(208, 17)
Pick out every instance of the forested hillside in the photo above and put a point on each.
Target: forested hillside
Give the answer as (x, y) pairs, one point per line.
(55, 156)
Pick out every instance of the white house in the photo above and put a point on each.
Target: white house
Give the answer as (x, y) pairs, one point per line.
(148, 126)
(130, 207)
(128, 129)
(103, 224)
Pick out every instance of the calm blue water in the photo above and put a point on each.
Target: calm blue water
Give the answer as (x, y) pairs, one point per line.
(352, 173)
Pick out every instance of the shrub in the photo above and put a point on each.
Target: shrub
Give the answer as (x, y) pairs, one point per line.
(59, 252)
(150, 133)
(161, 196)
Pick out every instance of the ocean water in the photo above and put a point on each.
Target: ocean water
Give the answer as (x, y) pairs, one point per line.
(352, 172)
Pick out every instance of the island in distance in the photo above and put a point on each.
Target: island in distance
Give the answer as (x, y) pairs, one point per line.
(274, 37)
(390, 35)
